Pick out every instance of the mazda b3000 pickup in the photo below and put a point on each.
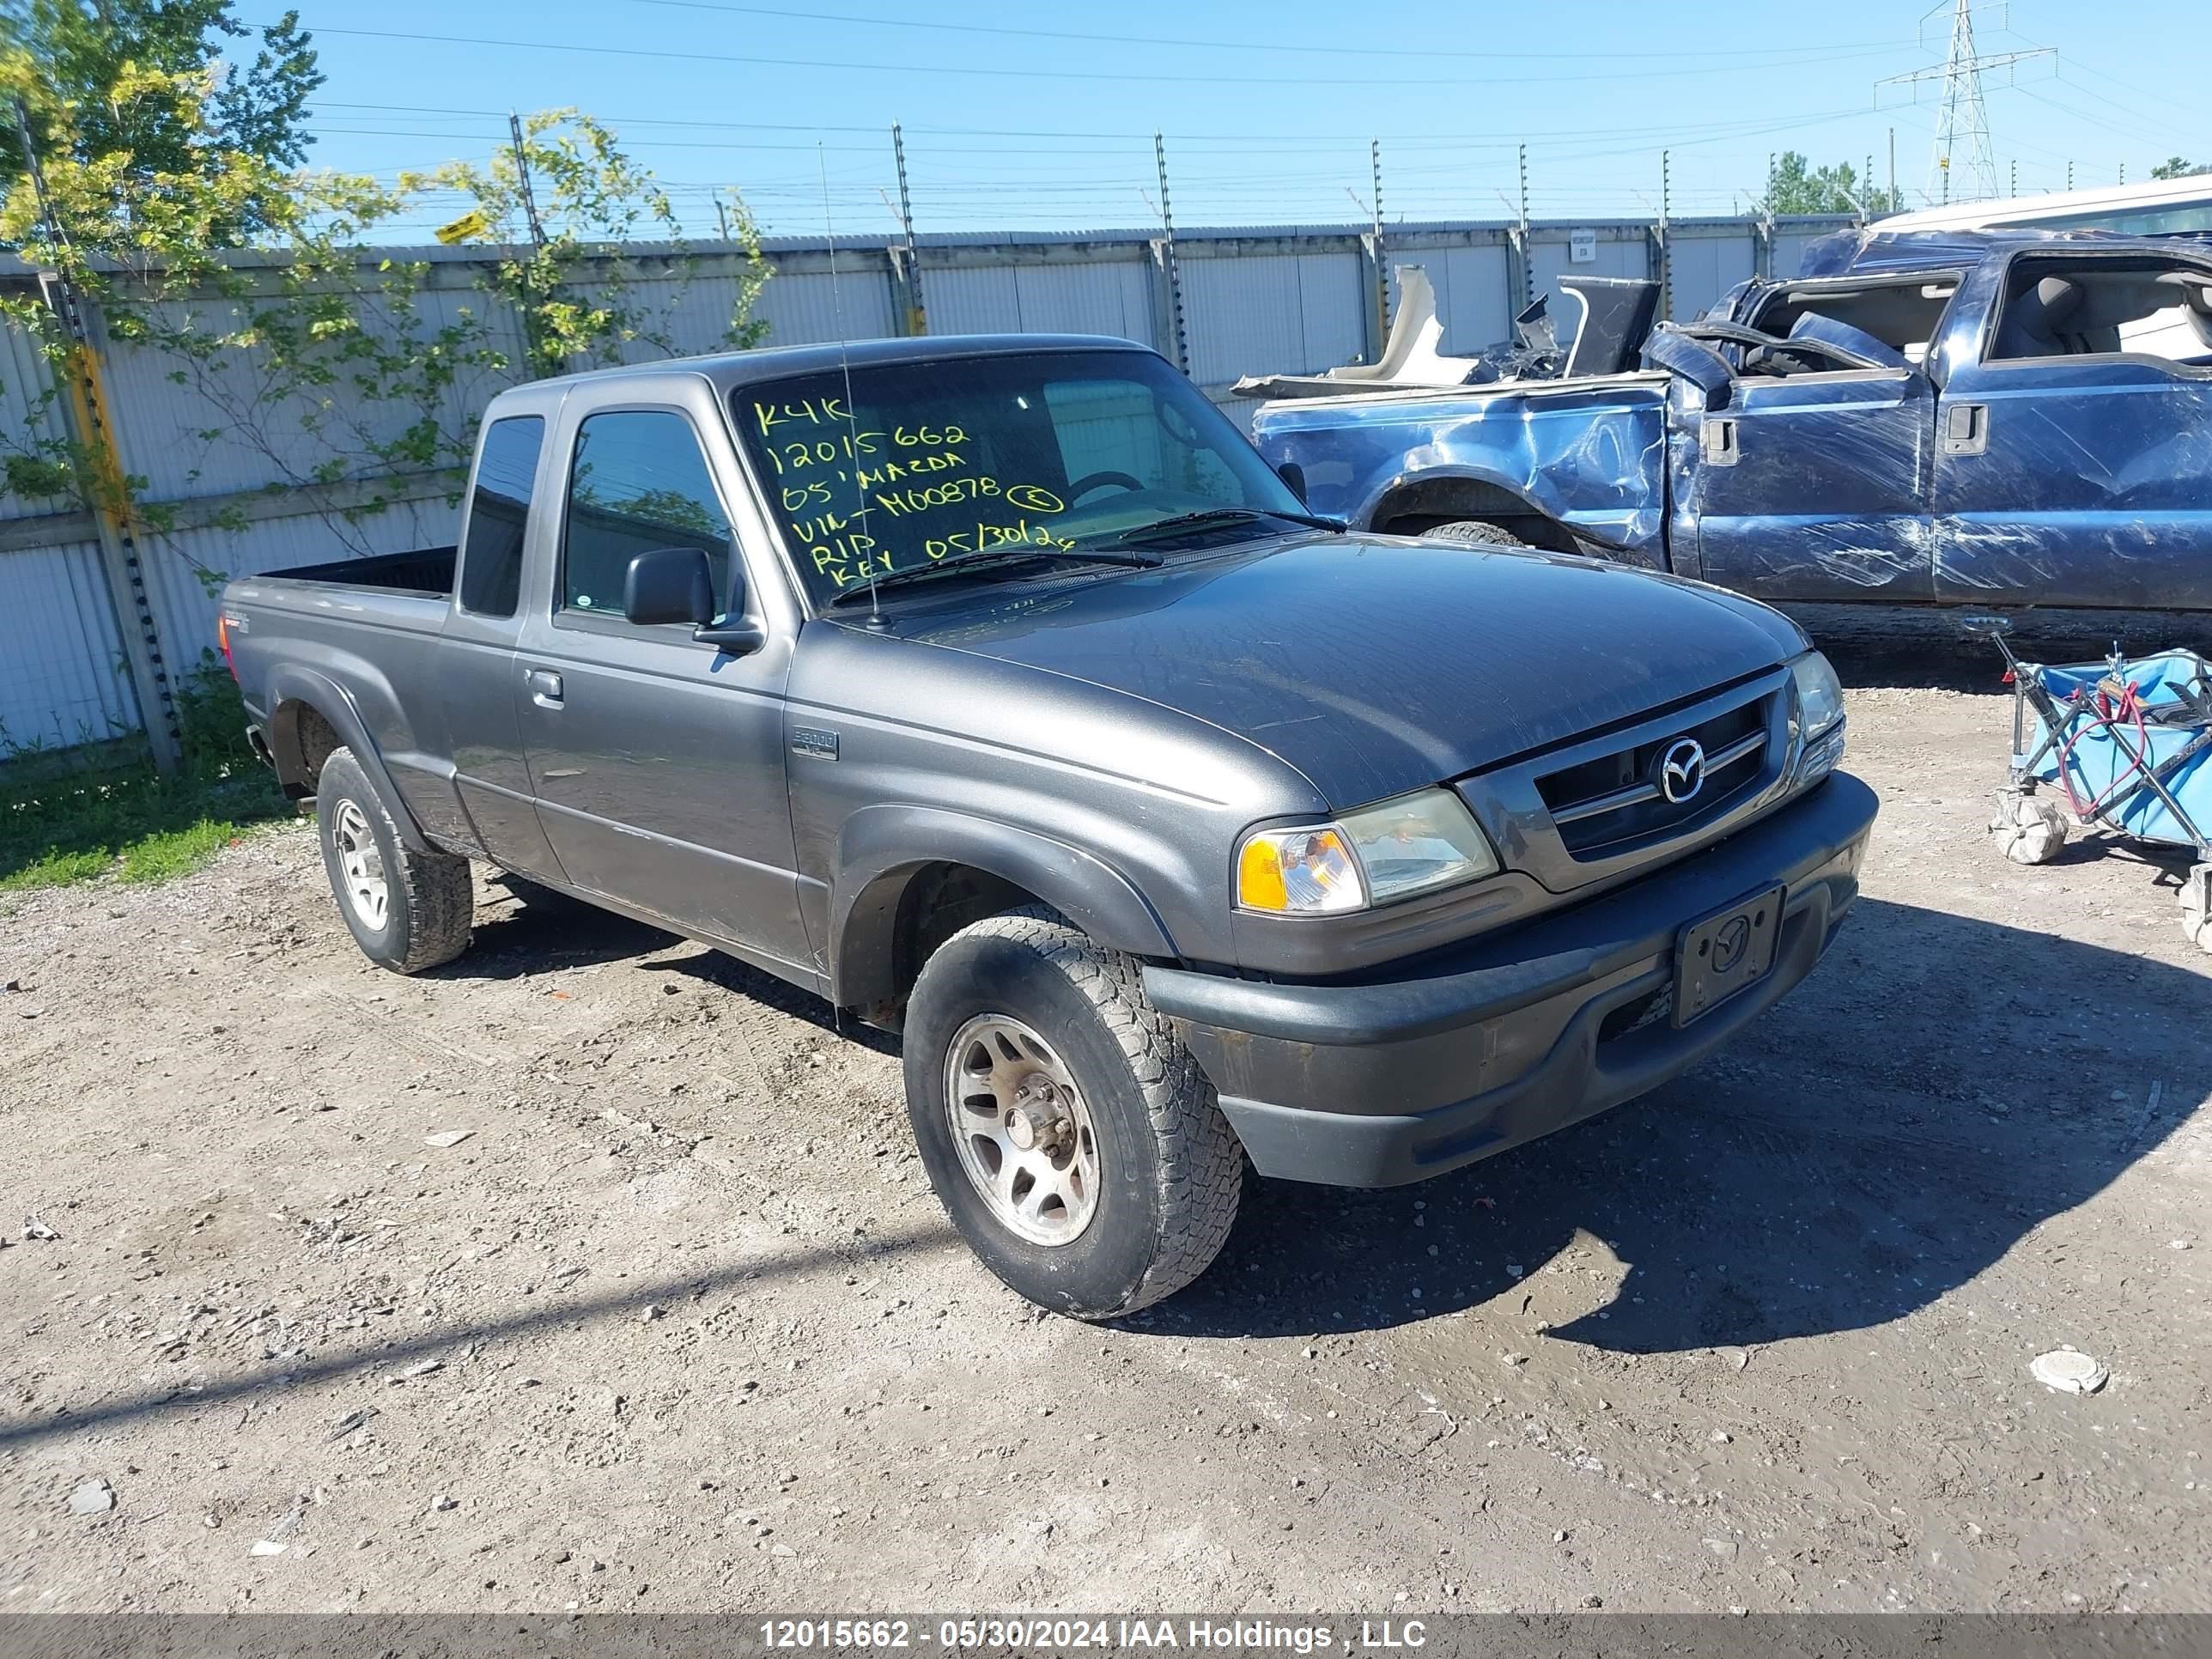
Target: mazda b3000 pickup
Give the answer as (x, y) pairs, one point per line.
(997, 690)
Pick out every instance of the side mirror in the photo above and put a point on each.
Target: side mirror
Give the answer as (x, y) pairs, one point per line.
(1295, 476)
(669, 585)
(676, 585)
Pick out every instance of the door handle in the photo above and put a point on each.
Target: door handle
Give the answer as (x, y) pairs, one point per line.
(544, 687)
(1716, 443)
(1966, 428)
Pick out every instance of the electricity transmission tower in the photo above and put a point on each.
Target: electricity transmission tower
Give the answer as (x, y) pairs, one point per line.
(1964, 165)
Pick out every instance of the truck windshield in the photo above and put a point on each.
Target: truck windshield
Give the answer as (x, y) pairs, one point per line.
(923, 463)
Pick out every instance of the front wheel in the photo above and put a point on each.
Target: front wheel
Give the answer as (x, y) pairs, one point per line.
(407, 910)
(1473, 533)
(1072, 1141)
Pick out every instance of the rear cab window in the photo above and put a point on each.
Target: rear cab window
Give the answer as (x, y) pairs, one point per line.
(499, 509)
(2054, 306)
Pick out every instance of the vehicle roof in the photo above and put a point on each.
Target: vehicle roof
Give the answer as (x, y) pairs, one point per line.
(2017, 211)
(730, 370)
(1875, 249)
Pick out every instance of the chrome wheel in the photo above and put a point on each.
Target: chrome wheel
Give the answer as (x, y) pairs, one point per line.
(361, 866)
(1025, 1136)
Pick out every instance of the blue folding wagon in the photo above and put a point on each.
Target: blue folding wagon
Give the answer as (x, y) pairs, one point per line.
(2117, 745)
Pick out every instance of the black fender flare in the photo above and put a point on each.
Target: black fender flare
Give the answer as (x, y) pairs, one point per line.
(291, 687)
(881, 848)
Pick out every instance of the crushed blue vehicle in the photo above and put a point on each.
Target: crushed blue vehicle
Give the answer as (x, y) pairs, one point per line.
(1995, 420)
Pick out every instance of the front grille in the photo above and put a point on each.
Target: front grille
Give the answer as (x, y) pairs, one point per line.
(1597, 804)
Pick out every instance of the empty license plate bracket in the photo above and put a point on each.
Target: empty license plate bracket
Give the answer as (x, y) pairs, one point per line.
(1726, 953)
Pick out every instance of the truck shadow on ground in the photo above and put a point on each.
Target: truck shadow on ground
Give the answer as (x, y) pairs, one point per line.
(530, 930)
(1936, 1088)
(713, 968)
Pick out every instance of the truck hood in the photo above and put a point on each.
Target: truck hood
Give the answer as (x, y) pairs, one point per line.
(1375, 664)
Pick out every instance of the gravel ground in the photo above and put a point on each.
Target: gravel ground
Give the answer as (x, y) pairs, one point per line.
(679, 1325)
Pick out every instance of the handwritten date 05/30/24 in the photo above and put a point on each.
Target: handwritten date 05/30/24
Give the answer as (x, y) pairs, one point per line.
(987, 1635)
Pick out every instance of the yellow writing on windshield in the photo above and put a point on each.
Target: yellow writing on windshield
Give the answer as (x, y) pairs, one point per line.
(812, 410)
(1035, 498)
(985, 536)
(906, 466)
(861, 495)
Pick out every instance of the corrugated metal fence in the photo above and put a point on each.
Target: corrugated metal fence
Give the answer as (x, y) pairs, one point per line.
(1269, 300)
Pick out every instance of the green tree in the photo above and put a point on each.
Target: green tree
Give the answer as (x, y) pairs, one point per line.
(2176, 166)
(157, 90)
(330, 358)
(570, 277)
(1798, 186)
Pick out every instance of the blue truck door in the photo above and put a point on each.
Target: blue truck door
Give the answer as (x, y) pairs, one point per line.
(1815, 486)
(658, 761)
(2074, 436)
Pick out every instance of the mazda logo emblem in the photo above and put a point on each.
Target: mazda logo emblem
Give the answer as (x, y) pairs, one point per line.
(1734, 940)
(1683, 770)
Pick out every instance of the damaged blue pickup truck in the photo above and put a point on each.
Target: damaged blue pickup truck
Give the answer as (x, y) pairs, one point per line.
(1997, 421)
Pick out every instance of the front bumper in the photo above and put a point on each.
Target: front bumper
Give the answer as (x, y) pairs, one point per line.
(1375, 1080)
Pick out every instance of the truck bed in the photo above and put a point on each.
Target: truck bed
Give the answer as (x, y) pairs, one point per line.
(1582, 453)
(427, 570)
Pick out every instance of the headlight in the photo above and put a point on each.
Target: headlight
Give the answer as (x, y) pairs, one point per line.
(1393, 850)
(1819, 695)
(1817, 721)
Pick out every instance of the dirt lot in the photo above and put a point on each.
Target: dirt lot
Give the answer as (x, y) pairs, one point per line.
(678, 1326)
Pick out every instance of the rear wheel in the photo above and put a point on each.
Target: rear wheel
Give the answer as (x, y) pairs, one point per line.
(1071, 1139)
(407, 910)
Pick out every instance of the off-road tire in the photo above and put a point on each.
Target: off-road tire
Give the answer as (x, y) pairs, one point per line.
(1170, 1169)
(431, 899)
(1475, 533)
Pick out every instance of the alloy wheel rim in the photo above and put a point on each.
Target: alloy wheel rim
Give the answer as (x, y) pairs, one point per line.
(1022, 1131)
(361, 866)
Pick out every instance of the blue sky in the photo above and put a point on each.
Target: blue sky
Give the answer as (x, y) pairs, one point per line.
(1267, 107)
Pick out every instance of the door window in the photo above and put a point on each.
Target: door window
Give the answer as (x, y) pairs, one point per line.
(638, 482)
(2081, 308)
(1901, 317)
(491, 560)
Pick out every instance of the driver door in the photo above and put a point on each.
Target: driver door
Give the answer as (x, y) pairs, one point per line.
(1815, 486)
(657, 761)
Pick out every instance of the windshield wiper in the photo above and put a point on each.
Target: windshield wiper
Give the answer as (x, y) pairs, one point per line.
(969, 562)
(1222, 515)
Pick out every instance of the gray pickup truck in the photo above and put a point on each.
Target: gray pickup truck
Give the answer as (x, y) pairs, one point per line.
(996, 690)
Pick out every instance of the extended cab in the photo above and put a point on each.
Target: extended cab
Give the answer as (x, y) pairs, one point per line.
(997, 690)
(1963, 419)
